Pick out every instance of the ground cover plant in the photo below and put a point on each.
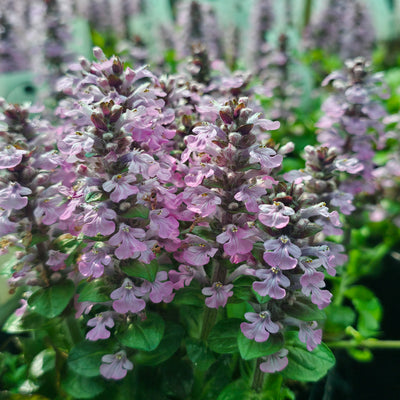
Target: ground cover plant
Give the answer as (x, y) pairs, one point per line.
(192, 210)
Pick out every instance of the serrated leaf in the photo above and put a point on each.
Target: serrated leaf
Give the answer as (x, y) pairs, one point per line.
(169, 344)
(85, 358)
(82, 387)
(304, 310)
(42, 363)
(223, 336)
(139, 269)
(304, 365)
(144, 335)
(52, 301)
(250, 349)
(96, 291)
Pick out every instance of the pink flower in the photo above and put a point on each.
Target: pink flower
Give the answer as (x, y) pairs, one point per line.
(201, 200)
(94, 260)
(183, 277)
(277, 253)
(120, 187)
(164, 224)
(98, 221)
(159, 290)
(309, 335)
(48, 210)
(260, 327)
(275, 362)
(100, 322)
(250, 194)
(11, 196)
(275, 215)
(127, 242)
(264, 155)
(272, 283)
(218, 293)
(236, 240)
(10, 157)
(196, 251)
(115, 366)
(126, 300)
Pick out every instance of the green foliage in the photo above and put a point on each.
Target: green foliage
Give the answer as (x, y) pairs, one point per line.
(144, 335)
(250, 349)
(95, 290)
(304, 365)
(223, 336)
(139, 269)
(50, 302)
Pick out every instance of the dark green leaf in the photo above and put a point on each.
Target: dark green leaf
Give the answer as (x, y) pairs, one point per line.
(42, 363)
(27, 322)
(82, 387)
(94, 196)
(170, 343)
(139, 269)
(338, 318)
(96, 291)
(52, 301)
(139, 211)
(304, 310)
(144, 335)
(199, 354)
(223, 336)
(250, 349)
(189, 296)
(237, 390)
(85, 358)
(38, 238)
(304, 365)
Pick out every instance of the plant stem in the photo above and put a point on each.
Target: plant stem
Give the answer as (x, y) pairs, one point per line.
(368, 343)
(73, 329)
(258, 377)
(307, 13)
(209, 318)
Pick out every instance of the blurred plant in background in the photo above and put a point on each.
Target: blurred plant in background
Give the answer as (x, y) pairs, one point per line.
(187, 206)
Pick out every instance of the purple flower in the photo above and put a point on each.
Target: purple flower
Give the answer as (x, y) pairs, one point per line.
(115, 366)
(74, 197)
(6, 226)
(272, 282)
(324, 254)
(10, 157)
(125, 298)
(275, 362)
(183, 277)
(260, 327)
(94, 260)
(56, 260)
(11, 196)
(100, 322)
(218, 293)
(266, 156)
(98, 221)
(309, 335)
(48, 210)
(236, 240)
(127, 242)
(196, 251)
(201, 200)
(312, 282)
(277, 253)
(159, 290)
(249, 194)
(120, 187)
(164, 224)
(274, 215)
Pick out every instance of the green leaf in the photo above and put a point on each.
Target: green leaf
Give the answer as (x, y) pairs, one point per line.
(223, 336)
(52, 301)
(139, 269)
(304, 365)
(170, 343)
(361, 355)
(250, 349)
(139, 211)
(27, 322)
(144, 335)
(304, 310)
(42, 363)
(38, 238)
(85, 358)
(237, 390)
(94, 196)
(199, 354)
(368, 307)
(96, 291)
(189, 296)
(82, 387)
(338, 318)
(7, 261)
